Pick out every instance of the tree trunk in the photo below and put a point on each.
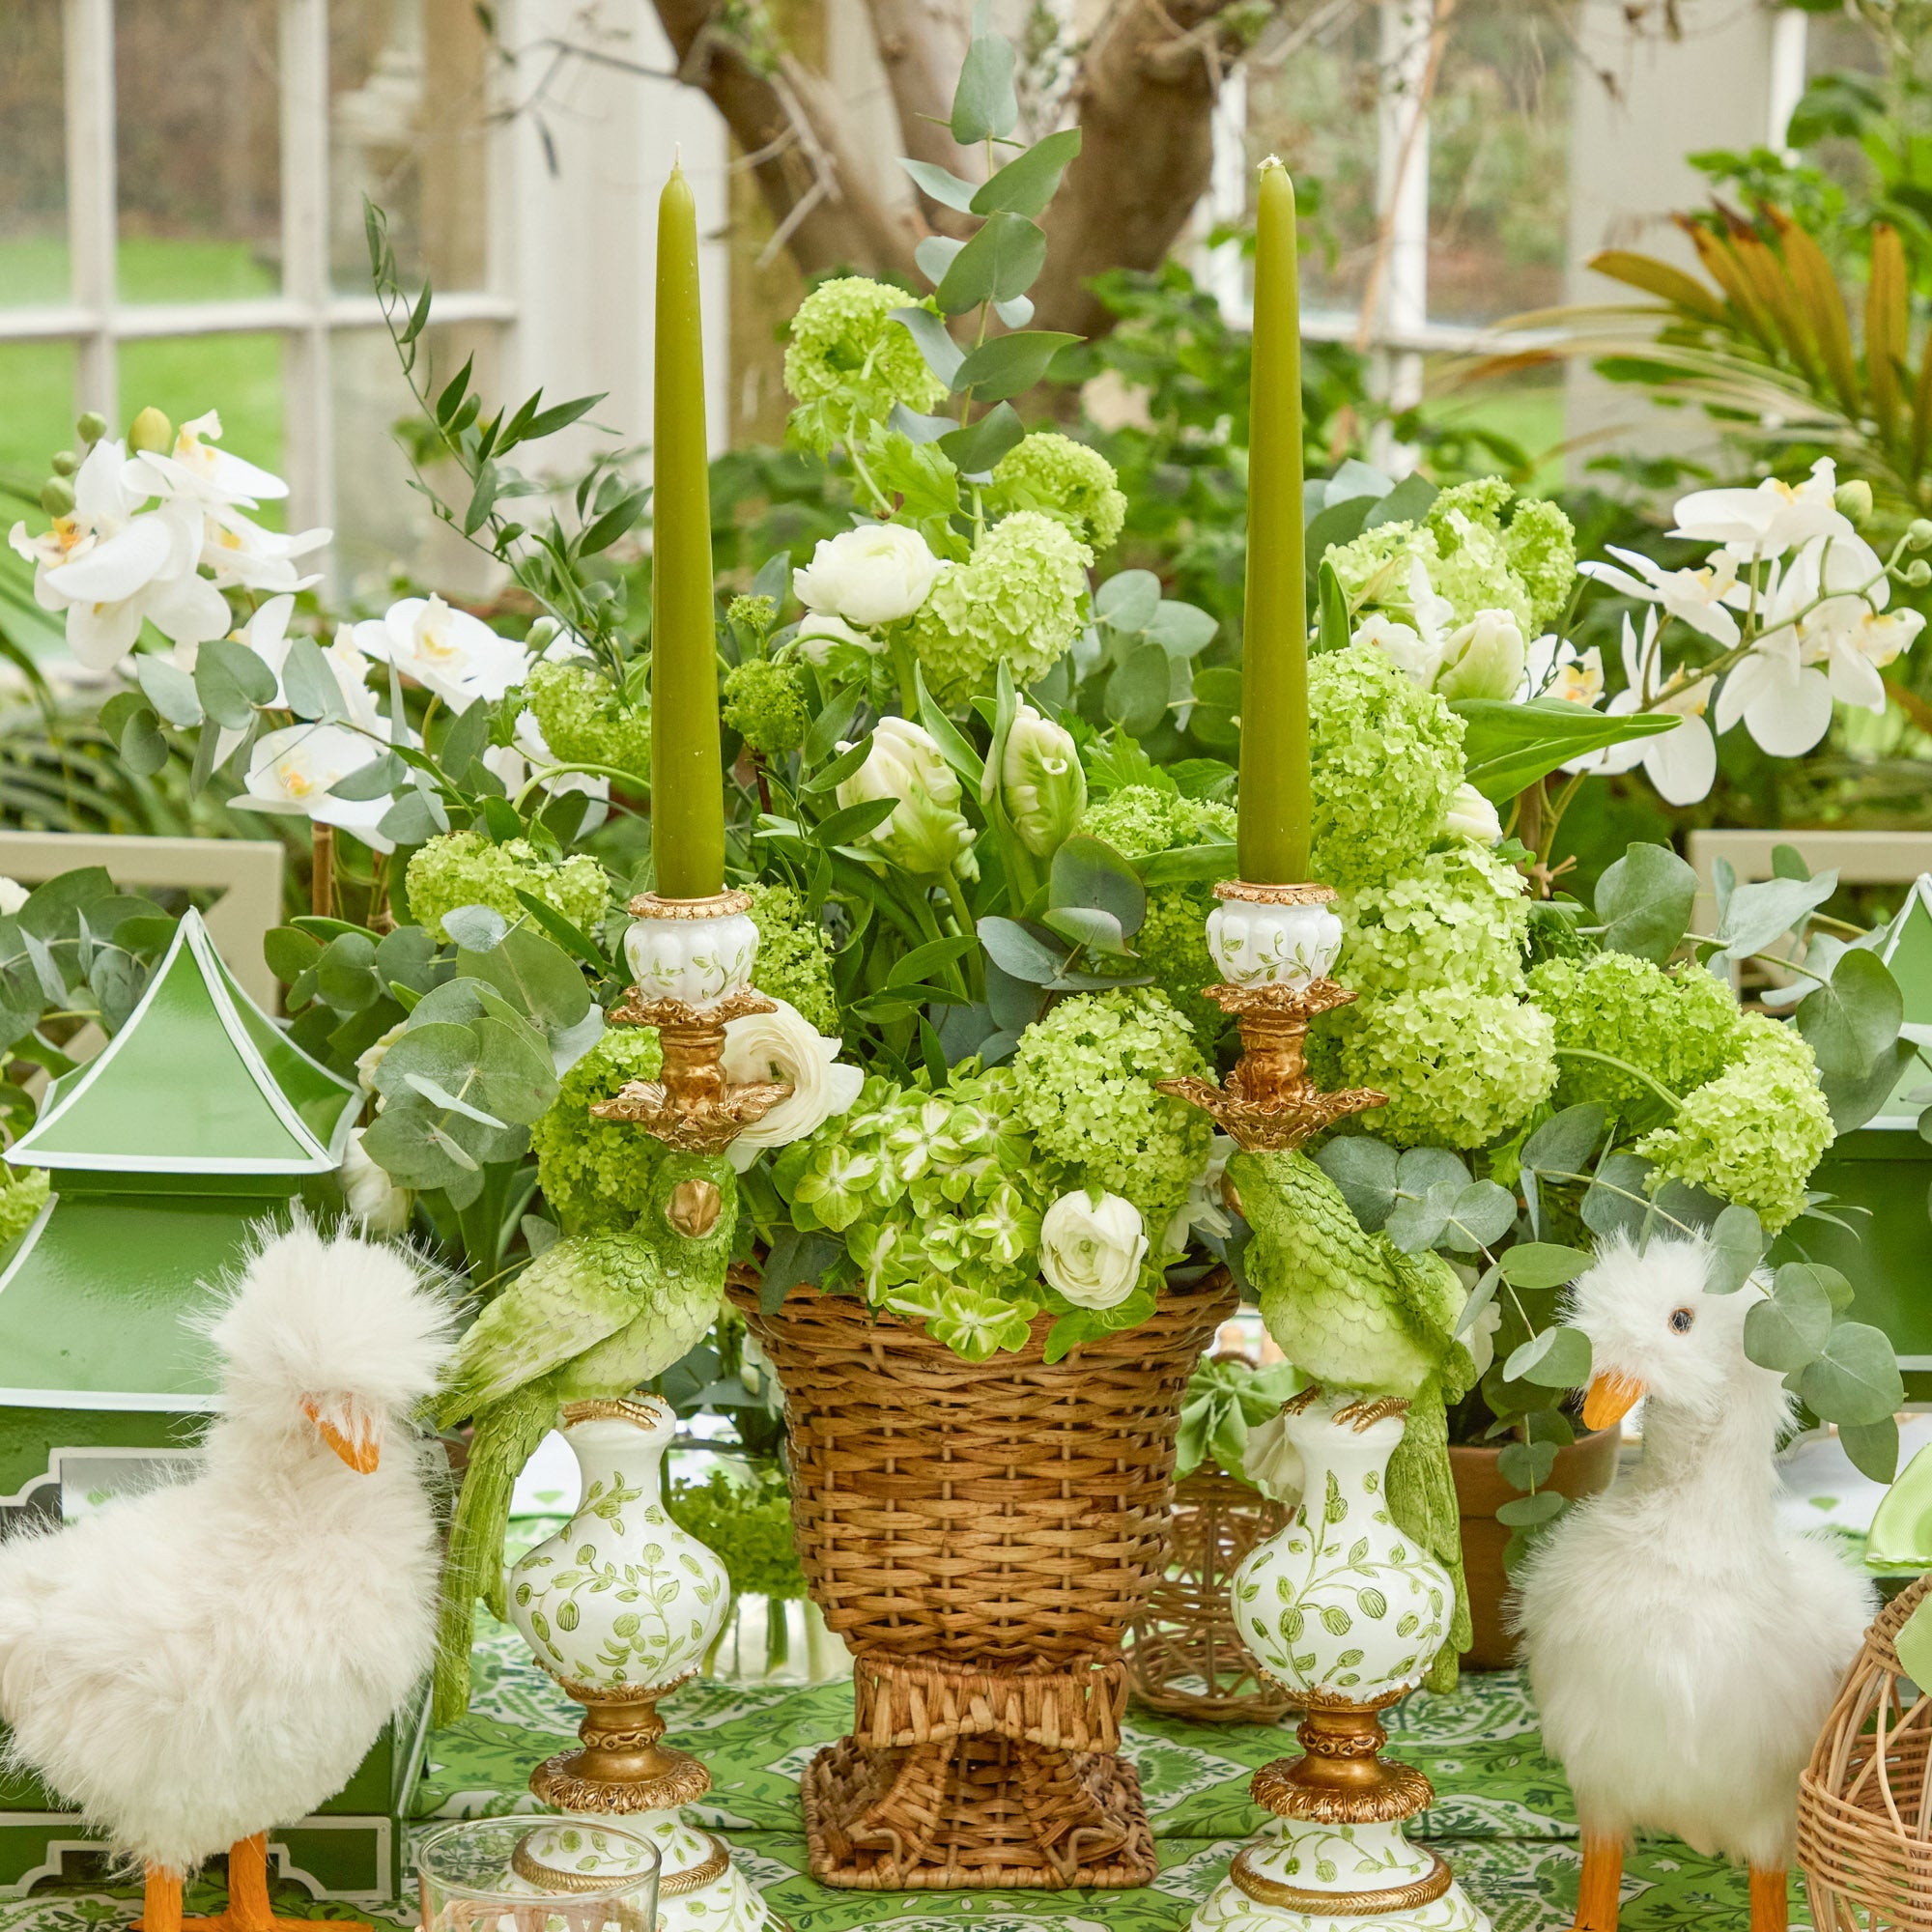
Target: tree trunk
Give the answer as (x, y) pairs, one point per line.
(1145, 101)
(821, 197)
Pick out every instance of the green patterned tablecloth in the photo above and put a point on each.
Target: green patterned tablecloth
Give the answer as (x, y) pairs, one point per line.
(1503, 1816)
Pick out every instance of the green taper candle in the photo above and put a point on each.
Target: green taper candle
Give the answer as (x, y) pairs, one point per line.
(1272, 835)
(687, 775)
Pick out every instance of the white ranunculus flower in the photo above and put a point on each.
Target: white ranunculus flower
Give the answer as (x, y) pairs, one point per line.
(1091, 1248)
(291, 771)
(876, 575)
(819, 633)
(371, 1198)
(1206, 1208)
(448, 652)
(927, 833)
(785, 1046)
(1470, 815)
(1417, 658)
(1485, 659)
(372, 1056)
(12, 896)
(1045, 789)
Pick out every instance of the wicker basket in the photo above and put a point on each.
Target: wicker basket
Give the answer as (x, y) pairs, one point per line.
(982, 1535)
(1186, 1638)
(1864, 1803)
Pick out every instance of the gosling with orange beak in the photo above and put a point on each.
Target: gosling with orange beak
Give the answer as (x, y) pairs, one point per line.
(193, 1666)
(1684, 1647)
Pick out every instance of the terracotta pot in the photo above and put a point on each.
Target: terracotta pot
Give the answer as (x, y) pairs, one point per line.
(1585, 1468)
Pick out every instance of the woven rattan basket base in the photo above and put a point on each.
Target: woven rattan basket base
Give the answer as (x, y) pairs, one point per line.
(980, 1819)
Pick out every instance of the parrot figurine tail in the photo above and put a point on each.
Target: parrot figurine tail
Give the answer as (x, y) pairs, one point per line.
(506, 1437)
(1353, 1311)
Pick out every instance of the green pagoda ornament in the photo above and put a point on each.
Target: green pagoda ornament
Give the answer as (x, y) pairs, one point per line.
(196, 1123)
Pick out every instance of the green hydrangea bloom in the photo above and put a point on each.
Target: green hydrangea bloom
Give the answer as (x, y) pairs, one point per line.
(1458, 1067)
(794, 962)
(847, 362)
(1066, 480)
(1753, 1134)
(1679, 1028)
(465, 868)
(764, 703)
(1017, 599)
(1140, 820)
(1084, 1077)
(23, 1193)
(585, 720)
(596, 1175)
(1459, 919)
(1386, 758)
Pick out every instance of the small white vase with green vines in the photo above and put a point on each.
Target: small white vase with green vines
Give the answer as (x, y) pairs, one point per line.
(1343, 1607)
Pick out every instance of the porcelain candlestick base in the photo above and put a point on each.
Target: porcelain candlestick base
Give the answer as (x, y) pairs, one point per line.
(1346, 1610)
(620, 1606)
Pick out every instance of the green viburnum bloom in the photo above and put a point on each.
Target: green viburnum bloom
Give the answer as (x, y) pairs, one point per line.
(1459, 919)
(1140, 820)
(1473, 560)
(1064, 479)
(1458, 1067)
(585, 720)
(1387, 759)
(1753, 1134)
(1085, 1076)
(1018, 599)
(1680, 1028)
(847, 362)
(596, 1175)
(794, 961)
(464, 868)
(764, 703)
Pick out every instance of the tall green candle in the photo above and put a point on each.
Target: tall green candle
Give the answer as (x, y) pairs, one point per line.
(687, 777)
(1272, 835)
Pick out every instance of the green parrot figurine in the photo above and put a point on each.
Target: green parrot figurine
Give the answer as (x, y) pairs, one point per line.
(591, 1318)
(1353, 1311)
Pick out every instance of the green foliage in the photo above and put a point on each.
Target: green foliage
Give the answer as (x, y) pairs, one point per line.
(465, 868)
(747, 1525)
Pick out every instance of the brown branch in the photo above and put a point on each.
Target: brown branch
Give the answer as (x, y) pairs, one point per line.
(1145, 101)
(790, 128)
(921, 46)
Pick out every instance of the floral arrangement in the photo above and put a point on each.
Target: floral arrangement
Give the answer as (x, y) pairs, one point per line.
(980, 892)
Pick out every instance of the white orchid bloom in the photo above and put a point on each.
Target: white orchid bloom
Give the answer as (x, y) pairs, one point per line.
(1681, 763)
(1785, 703)
(456, 656)
(513, 763)
(110, 565)
(1854, 653)
(1767, 520)
(1206, 1208)
(291, 771)
(1552, 667)
(1698, 597)
(785, 1046)
(193, 467)
(241, 551)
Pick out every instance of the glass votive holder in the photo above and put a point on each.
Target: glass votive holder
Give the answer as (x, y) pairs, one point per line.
(537, 1873)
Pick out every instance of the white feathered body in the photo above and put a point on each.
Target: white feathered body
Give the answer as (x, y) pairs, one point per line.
(1684, 1646)
(215, 1658)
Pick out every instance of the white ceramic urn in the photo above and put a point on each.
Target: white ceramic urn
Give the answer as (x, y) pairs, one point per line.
(696, 951)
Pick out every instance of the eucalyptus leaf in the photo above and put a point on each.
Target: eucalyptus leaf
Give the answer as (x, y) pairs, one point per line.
(1737, 1246)
(985, 105)
(1086, 871)
(999, 263)
(941, 183)
(169, 689)
(1566, 1142)
(1009, 365)
(231, 680)
(1364, 1169)
(1558, 1357)
(1643, 901)
(1854, 1378)
(1542, 1264)
(943, 356)
(1029, 182)
(1788, 1327)
(1016, 951)
(1128, 601)
(1758, 913)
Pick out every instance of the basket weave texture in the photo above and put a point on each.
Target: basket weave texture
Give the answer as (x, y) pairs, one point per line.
(982, 1535)
(1185, 1654)
(1864, 1802)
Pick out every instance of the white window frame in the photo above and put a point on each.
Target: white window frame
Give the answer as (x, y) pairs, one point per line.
(1399, 333)
(307, 313)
